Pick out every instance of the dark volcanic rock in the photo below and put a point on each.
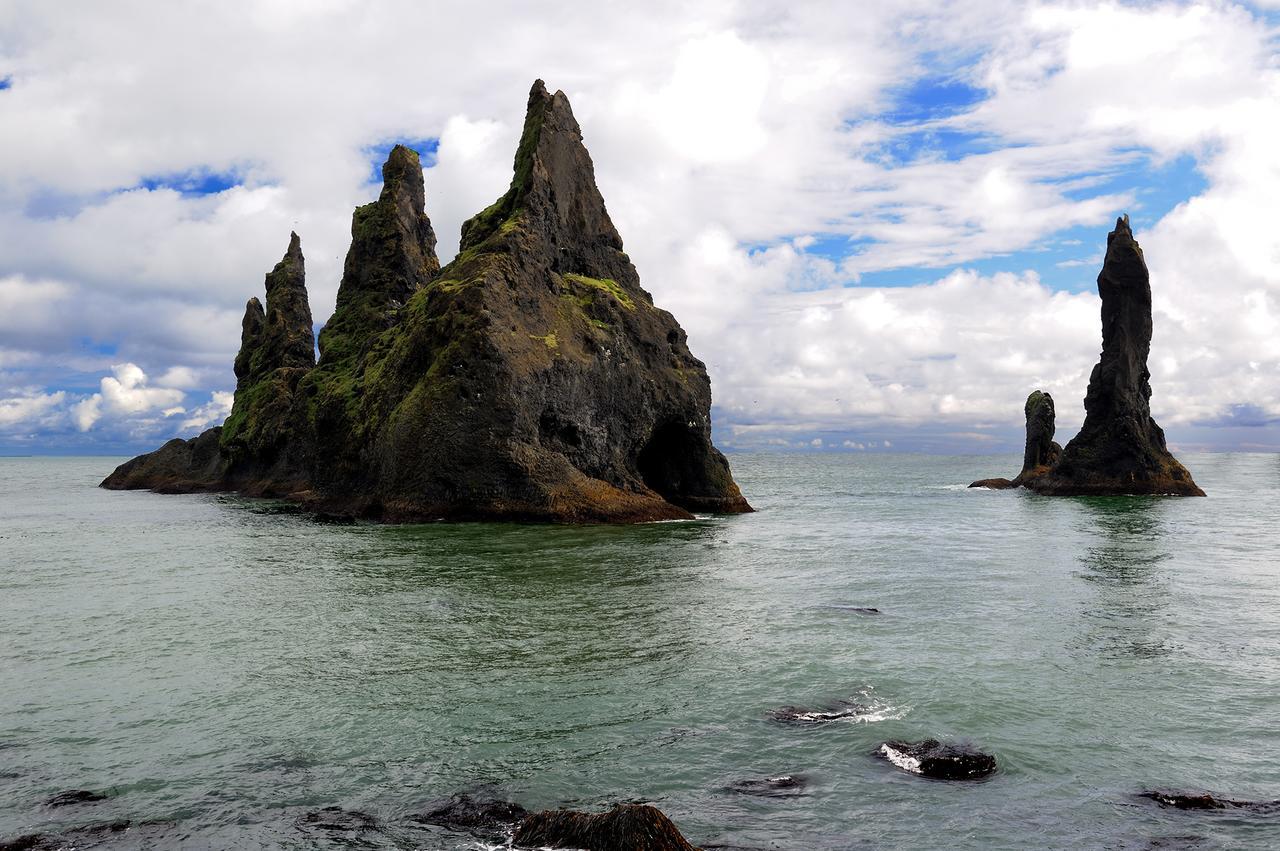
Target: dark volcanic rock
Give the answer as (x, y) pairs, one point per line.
(1040, 452)
(74, 796)
(631, 827)
(531, 378)
(1120, 449)
(806, 716)
(931, 758)
(86, 836)
(483, 818)
(782, 786)
(335, 820)
(1206, 801)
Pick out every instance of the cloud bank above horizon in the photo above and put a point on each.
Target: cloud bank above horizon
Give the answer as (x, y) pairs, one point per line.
(881, 231)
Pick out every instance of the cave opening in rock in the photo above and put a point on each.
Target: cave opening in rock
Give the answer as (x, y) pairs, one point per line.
(669, 461)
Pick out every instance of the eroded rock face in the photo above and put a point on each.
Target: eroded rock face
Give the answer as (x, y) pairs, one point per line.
(1120, 449)
(531, 378)
(1040, 452)
(625, 828)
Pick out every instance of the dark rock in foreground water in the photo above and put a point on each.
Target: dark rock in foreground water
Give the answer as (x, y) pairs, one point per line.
(1120, 449)
(1206, 801)
(631, 827)
(807, 716)
(337, 820)
(76, 837)
(782, 786)
(532, 378)
(74, 796)
(488, 819)
(931, 758)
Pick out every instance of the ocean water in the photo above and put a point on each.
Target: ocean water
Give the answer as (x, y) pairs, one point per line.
(220, 667)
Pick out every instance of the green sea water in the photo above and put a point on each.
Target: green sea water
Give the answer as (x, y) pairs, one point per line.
(220, 667)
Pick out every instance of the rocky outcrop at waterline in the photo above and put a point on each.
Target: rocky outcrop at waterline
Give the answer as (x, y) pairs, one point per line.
(530, 378)
(1040, 452)
(485, 818)
(938, 760)
(629, 827)
(1207, 801)
(1120, 449)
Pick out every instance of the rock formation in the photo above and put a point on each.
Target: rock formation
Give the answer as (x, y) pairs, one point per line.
(939, 761)
(1120, 449)
(630, 827)
(530, 378)
(1040, 452)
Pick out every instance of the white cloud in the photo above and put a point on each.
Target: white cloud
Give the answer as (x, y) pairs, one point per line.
(126, 395)
(727, 139)
(29, 409)
(211, 413)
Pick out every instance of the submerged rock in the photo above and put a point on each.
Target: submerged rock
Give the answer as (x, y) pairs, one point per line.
(931, 758)
(484, 818)
(1120, 449)
(74, 796)
(530, 378)
(782, 786)
(86, 836)
(1206, 801)
(806, 716)
(337, 820)
(630, 827)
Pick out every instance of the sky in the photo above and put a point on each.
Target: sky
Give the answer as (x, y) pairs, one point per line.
(880, 223)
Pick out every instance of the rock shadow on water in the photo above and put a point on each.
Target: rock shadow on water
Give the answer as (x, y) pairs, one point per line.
(1125, 565)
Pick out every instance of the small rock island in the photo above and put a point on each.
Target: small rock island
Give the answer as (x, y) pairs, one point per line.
(531, 378)
(1120, 449)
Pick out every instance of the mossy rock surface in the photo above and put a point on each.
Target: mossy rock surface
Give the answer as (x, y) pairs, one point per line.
(530, 378)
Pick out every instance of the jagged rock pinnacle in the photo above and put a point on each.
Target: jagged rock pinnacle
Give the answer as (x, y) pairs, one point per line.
(530, 379)
(553, 188)
(392, 256)
(1120, 449)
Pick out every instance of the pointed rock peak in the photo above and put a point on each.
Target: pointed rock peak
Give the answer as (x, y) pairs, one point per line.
(402, 175)
(553, 183)
(289, 273)
(392, 256)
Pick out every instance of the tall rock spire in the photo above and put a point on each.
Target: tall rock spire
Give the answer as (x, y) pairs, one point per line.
(1120, 449)
(282, 334)
(553, 190)
(392, 256)
(530, 379)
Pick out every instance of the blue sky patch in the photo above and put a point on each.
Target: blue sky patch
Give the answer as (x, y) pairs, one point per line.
(195, 182)
(6, 83)
(426, 148)
(932, 97)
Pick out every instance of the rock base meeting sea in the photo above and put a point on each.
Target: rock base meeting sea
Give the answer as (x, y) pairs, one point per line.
(530, 378)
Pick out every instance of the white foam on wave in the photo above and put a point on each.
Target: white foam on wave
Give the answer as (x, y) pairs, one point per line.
(900, 759)
(871, 713)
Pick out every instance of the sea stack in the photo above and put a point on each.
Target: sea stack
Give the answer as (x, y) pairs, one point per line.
(1120, 449)
(1040, 452)
(531, 378)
